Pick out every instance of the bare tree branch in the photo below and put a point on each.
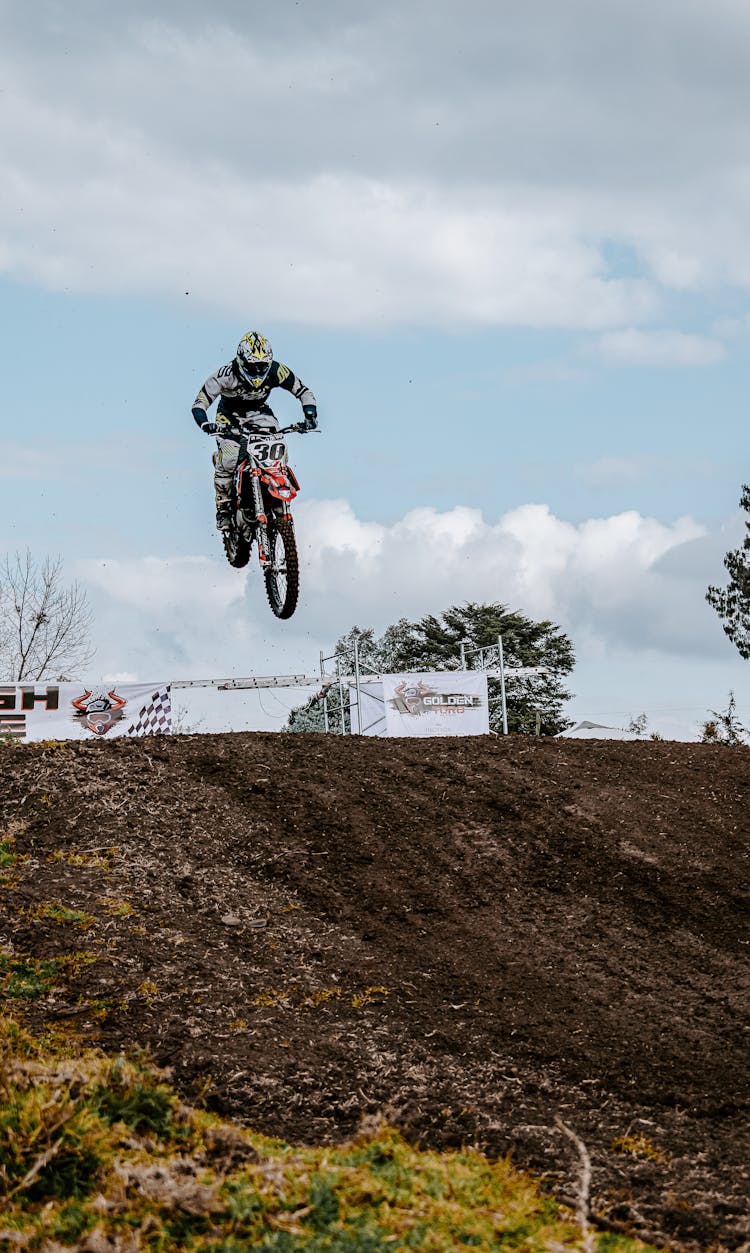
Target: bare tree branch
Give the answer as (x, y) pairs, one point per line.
(44, 623)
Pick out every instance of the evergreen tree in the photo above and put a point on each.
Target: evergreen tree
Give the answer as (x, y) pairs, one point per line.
(732, 603)
(376, 656)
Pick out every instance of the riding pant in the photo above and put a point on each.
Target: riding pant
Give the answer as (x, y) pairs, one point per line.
(225, 463)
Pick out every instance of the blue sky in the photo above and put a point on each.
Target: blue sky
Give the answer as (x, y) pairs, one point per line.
(510, 257)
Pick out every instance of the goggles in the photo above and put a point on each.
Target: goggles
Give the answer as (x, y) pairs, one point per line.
(253, 369)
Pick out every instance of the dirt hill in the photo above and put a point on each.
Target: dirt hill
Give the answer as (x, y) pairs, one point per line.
(472, 936)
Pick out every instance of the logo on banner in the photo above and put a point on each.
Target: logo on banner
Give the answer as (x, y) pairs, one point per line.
(99, 711)
(419, 698)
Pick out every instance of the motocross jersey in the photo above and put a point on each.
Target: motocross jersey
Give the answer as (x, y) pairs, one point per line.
(241, 400)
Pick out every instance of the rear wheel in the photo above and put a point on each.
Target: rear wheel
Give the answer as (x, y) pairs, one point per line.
(282, 570)
(236, 547)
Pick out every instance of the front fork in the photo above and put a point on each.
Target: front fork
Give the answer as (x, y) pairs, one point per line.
(260, 518)
(264, 546)
(261, 521)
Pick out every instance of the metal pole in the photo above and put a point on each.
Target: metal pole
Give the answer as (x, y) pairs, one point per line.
(359, 691)
(325, 694)
(341, 697)
(503, 701)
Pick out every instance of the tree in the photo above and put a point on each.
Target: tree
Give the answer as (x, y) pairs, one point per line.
(434, 643)
(638, 726)
(724, 727)
(44, 622)
(732, 603)
(307, 717)
(376, 656)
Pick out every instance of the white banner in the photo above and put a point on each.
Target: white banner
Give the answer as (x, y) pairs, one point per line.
(72, 711)
(449, 702)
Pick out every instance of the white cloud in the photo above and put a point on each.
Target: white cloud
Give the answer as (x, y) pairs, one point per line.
(732, 328)
(331, 248)
(634, 347)
(372, 167)
(158, 617)
(606, 580)
(629, 591)
(182, 586)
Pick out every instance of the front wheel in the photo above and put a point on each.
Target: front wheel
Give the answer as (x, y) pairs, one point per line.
(282, 569)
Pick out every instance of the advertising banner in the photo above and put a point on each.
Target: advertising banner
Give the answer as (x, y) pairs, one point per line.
(72, 711)
(449, 702)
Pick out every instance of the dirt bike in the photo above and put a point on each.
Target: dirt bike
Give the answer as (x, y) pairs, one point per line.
(263, 487)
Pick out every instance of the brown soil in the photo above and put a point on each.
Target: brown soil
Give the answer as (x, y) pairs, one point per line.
(474, 937)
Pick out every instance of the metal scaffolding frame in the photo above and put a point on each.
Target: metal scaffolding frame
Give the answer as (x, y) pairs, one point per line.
(483, 653)
(328, 679)
(254, 681)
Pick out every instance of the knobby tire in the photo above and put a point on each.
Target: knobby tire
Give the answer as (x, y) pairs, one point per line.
(282, 597)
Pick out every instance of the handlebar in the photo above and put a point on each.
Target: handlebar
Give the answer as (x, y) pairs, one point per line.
(298, 427)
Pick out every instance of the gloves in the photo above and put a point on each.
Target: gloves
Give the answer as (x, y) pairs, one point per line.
(311, 417)
(201, 419)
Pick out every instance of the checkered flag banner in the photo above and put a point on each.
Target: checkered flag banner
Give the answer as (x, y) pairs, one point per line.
(155, 718)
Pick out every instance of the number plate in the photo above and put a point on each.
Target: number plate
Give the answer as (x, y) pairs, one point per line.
(268, 450)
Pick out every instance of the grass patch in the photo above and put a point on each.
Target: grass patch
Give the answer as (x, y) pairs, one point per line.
(116, 909)
(95, 1148)
(101, 1010)
(141, 1102)
(298, 998)
(61, 914)
(370, 996)
(28, 978)
(639, 1146)
(97, 859)
(9, 857)
(25, 978)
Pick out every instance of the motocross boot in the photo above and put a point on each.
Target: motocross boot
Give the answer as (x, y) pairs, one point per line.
(223, 516)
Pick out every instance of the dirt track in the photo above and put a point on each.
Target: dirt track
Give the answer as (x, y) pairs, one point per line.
(474, 937)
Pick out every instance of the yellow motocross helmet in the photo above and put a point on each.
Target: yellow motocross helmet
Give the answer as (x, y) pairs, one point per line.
(254, 358)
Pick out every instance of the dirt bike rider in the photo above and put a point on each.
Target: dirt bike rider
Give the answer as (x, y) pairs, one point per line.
(244, 385)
